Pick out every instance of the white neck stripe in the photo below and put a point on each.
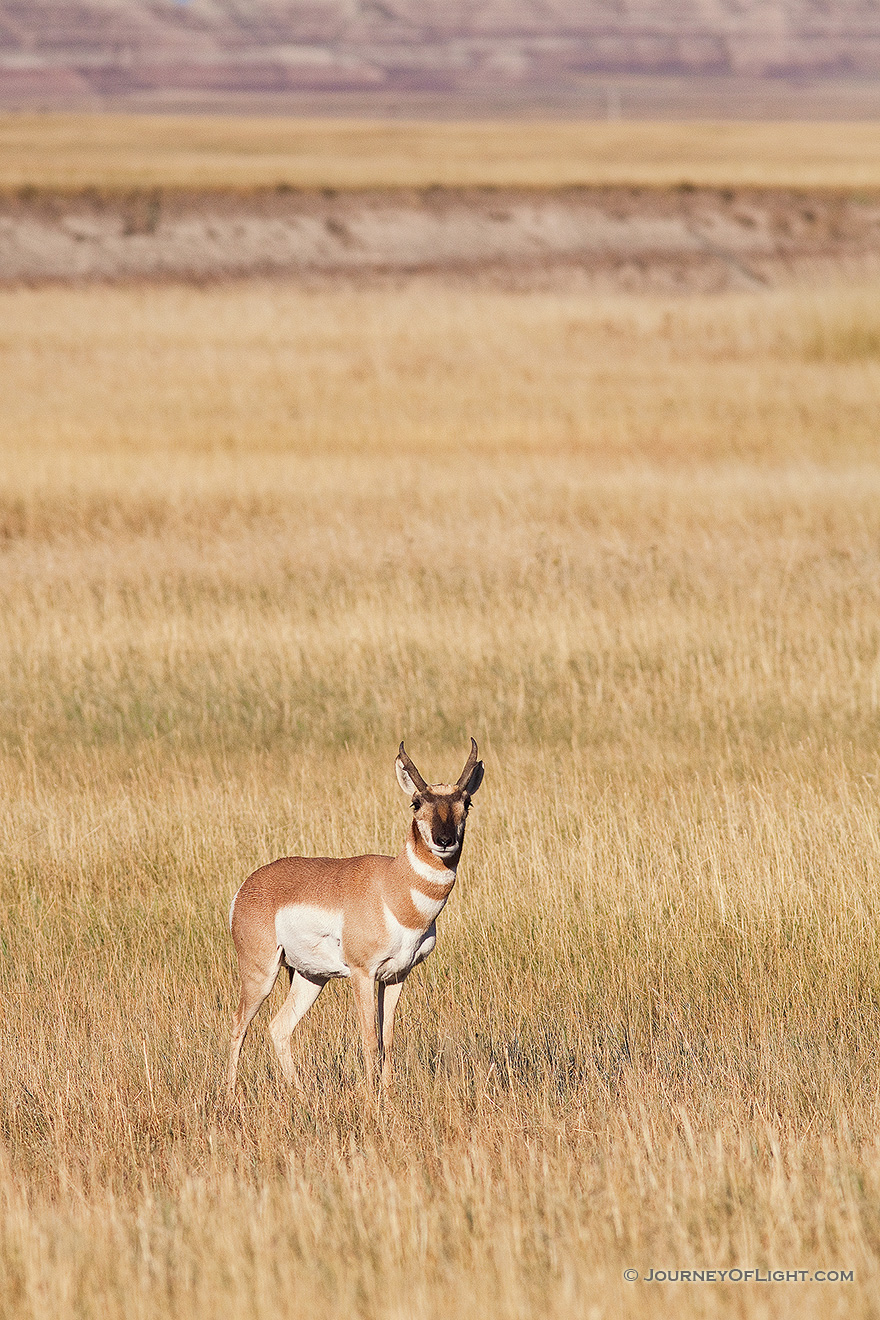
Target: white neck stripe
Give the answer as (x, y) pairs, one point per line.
(428, 908)
(437, 875)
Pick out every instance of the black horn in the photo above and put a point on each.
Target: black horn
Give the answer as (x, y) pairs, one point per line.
(411, 770)
(469, 768)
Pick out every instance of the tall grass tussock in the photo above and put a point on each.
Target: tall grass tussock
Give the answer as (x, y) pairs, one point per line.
(250, 537)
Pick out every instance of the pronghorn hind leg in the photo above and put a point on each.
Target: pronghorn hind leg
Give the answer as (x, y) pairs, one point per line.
(256, 986)
(364, 988)
(300, 998)
(388, 999)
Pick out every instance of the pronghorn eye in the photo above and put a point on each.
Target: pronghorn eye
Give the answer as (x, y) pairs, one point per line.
(416, 803)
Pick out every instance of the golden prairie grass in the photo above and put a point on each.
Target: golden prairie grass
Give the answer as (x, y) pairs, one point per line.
(126, 152)
(251, 537)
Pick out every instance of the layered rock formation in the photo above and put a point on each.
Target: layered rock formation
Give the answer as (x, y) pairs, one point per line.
(119, 48)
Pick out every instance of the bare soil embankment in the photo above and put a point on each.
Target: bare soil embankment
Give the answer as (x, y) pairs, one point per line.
(685, 238)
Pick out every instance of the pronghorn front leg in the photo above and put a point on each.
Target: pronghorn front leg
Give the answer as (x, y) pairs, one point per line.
(389, 994)
(365, 1006)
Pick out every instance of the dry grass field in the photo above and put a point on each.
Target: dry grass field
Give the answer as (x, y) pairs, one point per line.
(251, 537)
(117, 152)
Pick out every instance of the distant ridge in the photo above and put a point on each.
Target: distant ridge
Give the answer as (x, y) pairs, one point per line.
(195, 51)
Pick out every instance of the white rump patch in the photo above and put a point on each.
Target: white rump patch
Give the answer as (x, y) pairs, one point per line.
(232, 905)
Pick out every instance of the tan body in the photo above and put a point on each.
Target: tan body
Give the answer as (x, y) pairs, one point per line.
(369, 918)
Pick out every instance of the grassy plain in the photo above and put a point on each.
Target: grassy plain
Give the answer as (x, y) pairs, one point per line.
(251, 536)
(117, 152)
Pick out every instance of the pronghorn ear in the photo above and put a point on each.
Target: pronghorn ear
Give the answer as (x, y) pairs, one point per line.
(407, 775)
(403, 778)
(472, 775)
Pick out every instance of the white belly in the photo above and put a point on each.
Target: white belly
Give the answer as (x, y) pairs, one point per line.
(404, 948)
(311, 938)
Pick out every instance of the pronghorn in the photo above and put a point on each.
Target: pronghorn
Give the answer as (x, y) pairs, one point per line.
(368, 918)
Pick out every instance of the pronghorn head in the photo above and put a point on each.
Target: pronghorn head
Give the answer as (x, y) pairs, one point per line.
(440, 810)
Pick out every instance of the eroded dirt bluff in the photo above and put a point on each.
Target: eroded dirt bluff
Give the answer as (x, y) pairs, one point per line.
(687, 238)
